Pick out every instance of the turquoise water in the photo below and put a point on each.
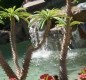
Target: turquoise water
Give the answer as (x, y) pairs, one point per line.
(45, 61)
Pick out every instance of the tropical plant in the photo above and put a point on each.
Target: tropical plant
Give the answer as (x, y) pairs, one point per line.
(62, 22)
(67, 22)
(82, 74)
(4, 64)
(14, 14)
(65, 42)
(45, 16)
(63, 19)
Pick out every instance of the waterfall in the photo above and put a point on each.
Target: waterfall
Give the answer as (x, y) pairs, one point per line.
(77, 40)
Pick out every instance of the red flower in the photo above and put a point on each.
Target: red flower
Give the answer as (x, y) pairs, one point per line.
(82, 76)
(46, 77)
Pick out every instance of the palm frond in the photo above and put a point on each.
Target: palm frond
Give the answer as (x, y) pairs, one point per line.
(24, 14)
(16, 17)
(4, 14)
(20, 9)
(41, 23)
(75, 23)
(31, 22)
(44, 15)
(60, 21)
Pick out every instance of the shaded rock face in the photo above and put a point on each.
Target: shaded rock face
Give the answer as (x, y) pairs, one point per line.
(22, 32)
(82, 31)
(78, 39)
(54, 39)
(79, 35)
(4, 38)
(80, 15)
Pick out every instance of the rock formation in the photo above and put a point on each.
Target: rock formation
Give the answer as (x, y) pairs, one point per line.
(22, 32)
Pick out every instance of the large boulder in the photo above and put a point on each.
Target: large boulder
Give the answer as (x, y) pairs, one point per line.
(79, 13)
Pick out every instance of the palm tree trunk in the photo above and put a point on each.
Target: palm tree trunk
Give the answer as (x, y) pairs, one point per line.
(26, 62)
(7, 68)
(63, 54)
(30, 50)
(12, 36)
(65, 44)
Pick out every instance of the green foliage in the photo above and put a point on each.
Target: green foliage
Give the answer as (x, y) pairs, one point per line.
(75, 23)
(13, 12)
(58, 15)
(61, 22)
(43, 16)
(47, 14)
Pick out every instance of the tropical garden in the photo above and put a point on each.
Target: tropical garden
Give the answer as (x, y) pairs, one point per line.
(63, 19)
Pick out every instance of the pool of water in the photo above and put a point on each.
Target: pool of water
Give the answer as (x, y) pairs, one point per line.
(46, 61)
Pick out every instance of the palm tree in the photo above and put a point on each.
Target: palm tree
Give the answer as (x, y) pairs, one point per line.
(3, 62)
(44, 16)
(65, 44)
(13, 14)
(68, 23)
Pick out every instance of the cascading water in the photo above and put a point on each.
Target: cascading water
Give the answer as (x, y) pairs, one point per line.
(77, 40)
